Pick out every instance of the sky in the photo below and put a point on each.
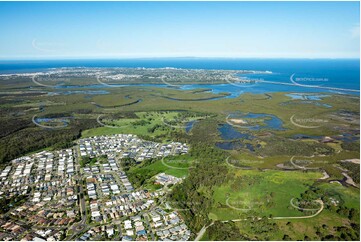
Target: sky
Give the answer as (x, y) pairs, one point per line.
(33, 30)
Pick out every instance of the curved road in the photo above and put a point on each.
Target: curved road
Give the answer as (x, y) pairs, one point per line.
(235, 208)
(173, 167)
(203, 230)
(303, 209)
(302, 167)
(297, 217)
(318, 87)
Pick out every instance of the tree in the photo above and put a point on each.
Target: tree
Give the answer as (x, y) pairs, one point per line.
(286, 237)
(224, 231)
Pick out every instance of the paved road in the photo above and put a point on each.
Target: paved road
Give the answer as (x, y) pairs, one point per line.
(309, 86)
(149, 227)
(303, 209)
(281, 218)
(235, 208)
(202, 231)
(81, 189)
(303, 217)
(303, 167)
(174, 167)
(78, 177)
(120, 231)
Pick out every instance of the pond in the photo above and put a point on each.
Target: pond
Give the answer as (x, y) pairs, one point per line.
(228, 132)
(317, 104)
(54, 121)
(235, 145)
(306, 96)
(268, 121)
(189, 125)
(345, 137)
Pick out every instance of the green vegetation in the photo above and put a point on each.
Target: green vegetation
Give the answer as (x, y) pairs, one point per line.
(31, 138)
(141, 174)
(354, 170)
(8, 203)
(224, 231)
(151, 125)
(213, 190)
(86, 160)
(267, 193)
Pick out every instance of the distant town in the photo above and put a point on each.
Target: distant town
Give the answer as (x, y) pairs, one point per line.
(128, 76)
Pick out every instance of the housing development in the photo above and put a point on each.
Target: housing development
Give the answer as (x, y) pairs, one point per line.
(180, 121)
(95, 200)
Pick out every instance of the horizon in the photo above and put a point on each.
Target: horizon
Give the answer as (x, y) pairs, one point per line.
(181, 57)
(180, 120)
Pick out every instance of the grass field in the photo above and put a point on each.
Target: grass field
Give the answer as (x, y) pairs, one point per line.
(297, 229)
(270, 194)
(177, 166)
(326, 163)
(174, 165)
(149, 123)
(159, 167)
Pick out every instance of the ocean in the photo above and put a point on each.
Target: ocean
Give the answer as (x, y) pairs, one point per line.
(335, 73)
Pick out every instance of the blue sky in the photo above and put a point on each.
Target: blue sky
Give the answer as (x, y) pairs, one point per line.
(177, 29)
